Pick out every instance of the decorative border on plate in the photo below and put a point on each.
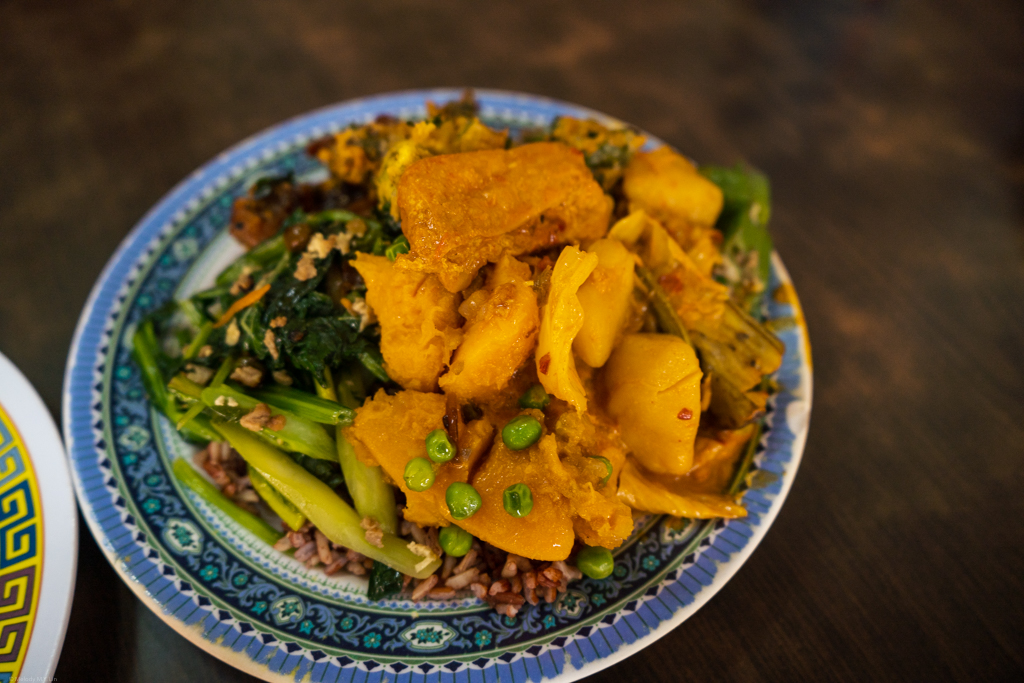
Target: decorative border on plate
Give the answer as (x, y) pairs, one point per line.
(21, 548)
(150, 570)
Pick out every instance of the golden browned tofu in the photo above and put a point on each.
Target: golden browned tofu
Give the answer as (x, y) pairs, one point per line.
(460, 211)
(418, 321)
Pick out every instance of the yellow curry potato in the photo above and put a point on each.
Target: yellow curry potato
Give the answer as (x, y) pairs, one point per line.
(605, 297)
(418, 321)
(560, 321)
(653, 388)
(695, 296)
(642, 492)
(669, 188)
(501, 328)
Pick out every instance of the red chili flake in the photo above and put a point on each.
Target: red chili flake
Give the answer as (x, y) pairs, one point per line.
(685, 414)
(544, 364)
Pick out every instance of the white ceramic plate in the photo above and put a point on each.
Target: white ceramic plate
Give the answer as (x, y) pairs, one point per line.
(38, 533)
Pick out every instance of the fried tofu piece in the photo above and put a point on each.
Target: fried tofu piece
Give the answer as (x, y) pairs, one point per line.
(461, 211)
(419, 321)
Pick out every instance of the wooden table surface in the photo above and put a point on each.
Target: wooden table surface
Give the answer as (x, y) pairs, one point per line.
(894, 135)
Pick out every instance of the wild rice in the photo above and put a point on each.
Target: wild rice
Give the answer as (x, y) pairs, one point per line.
(504, 580)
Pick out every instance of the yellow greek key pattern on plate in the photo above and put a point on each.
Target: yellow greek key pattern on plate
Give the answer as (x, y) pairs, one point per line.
(21, 549)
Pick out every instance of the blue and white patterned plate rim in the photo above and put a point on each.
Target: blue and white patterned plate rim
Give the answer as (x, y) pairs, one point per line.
(591, 648)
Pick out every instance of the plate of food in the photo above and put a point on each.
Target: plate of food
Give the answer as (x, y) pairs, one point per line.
(439, 385)
(38, 533)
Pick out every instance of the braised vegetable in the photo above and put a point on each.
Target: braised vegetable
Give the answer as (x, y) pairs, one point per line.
(212, 495)
(322, 506)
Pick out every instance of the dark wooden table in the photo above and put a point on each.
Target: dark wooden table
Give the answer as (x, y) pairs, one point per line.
(894, 135)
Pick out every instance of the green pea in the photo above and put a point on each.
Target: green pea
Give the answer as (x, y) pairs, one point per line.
(535, 397)
(439, 448)
(518, 500)
(608, 466)
(522, 432)
(463, 500)
(455, 541)
(597, 563)
(419, 474)
(399, 246)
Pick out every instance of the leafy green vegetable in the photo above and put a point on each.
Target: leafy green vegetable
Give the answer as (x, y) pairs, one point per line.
(384, 581)
(747, 245)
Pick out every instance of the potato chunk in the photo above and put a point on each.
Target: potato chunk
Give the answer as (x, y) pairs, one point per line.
(502, 322)
(418, 321)
(669, 188)
(653, 385)
(460, 211)
(560, 321)
(605, 298)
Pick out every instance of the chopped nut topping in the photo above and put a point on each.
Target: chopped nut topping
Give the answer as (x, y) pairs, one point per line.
(279, 321)
(205, 352)
(232, 334)
(374, 534)
(225, 401)
(271, 343)
(198, 374)
(305, 270)
(257, 419)
(247, 375)
(365, 313)
(320, 246)
(276, 423)
(243, 283)
(283, 378)
(343, 242)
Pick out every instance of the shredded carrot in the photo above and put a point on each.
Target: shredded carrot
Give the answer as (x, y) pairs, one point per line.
(243, 303)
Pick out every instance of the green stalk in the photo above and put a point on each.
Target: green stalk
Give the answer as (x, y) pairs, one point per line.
(197, 342)
(746, 460)
(322, 410)
(322, 506)
(145, 349)
(288, 513)
(372, 494)
(212, 495)
(326, 390)
(668, 319)
(298, 434)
